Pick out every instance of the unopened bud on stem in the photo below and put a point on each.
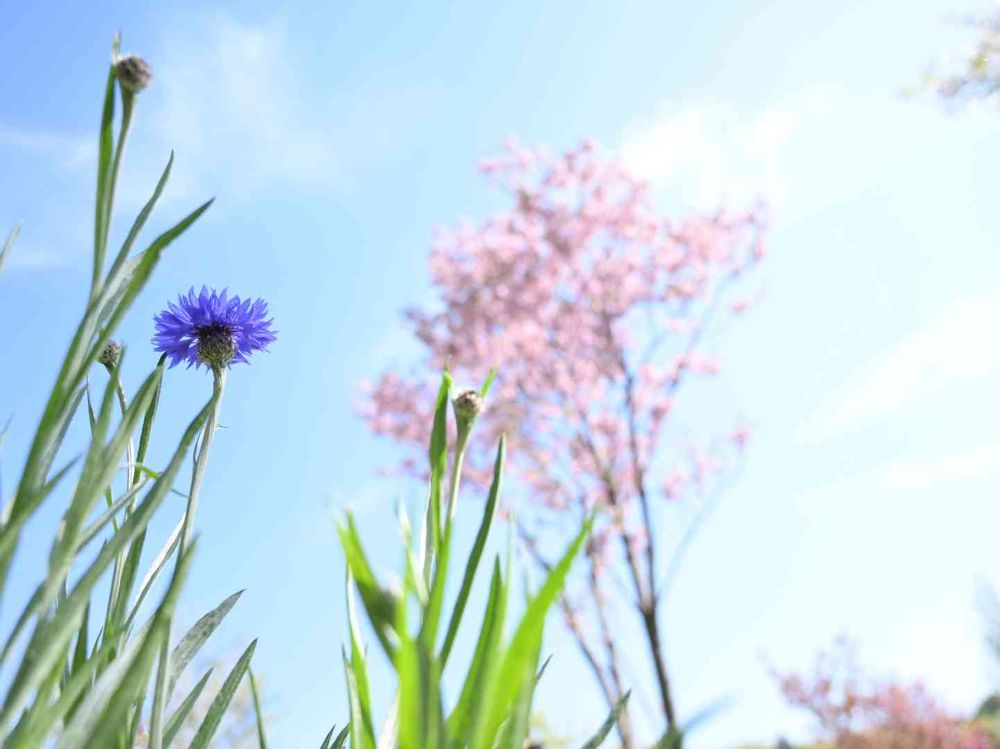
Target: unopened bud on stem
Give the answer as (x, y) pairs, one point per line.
(133, 73)
(467, 405)
(110, 355)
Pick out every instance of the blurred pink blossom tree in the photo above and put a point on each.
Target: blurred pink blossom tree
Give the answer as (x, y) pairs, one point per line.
(970, 75)
(856, 712)
(594, 310)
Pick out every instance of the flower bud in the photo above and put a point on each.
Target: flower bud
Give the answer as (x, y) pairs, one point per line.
(467, 406)
(110, 355)
(133, 73)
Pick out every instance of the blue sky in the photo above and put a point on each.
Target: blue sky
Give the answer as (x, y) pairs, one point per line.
(337, 135)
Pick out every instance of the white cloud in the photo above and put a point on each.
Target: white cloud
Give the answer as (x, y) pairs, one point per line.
(64, 150)
(958, 347)
(712, 151)
(226, 96)
(815, 148)
(34, 258)
(231, 105)
(977, 462)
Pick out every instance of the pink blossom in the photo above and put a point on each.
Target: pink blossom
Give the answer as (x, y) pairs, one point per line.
(857, 712)
(593, 308)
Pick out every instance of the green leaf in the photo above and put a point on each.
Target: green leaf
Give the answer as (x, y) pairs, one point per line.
(154, 571)
(463, 718)
(389, 732)
(176, 721)
(99, 468)
(34, 486)
(118, 296)
(672, 739)
(105, 146)
(517, 726)
(489, 511)
(221, 702)
(147, 421)
(437, 455)
(51, 636)
(258, 710)
(521, 654)
(329, 737)
(486, 385)
(90, 532)
(361, 735)
(435, 601)
(106, 707)
(80, 652)
(191, 643)
(5, 251)
(159, 705)
(612, 720)
(380, 604)
(140, 220)
(130, 568)
(363, 720)
(339, 741)
(71, 695)
(341, 738)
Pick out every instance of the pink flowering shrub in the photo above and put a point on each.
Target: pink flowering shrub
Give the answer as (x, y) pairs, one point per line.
(855, 712)
(594, 310)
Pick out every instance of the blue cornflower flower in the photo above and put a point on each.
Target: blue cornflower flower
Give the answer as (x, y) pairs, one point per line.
(212, 328)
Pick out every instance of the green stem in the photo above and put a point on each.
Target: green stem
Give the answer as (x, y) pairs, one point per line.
(198, 476)
(456, 472)
(258, 710)
(116, 575)
(159, 697)
(128, 102)
(130, 448)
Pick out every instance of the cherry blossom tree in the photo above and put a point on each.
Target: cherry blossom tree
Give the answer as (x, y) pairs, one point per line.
(857, 712)
(596, 313)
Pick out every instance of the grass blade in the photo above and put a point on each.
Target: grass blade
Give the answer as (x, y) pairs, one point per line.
(328, 738)
(105, 146)
(361, 738)
(476, 553)
(221, 702)
(380, 604)
(130, 567)
(612, 720)
(520, 656)
(184, 709)
(140, 220)
(258, 710)
(154, 570)
(191, 643)
(51, 636)
(360, 671)
(104, 711)
(340, 739)
(461, 722)
(437, 456)
(91, 531)
(5, 251)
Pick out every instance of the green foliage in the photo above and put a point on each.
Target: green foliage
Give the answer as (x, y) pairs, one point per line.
(90, 673)
(78, 682)
(493, 708)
